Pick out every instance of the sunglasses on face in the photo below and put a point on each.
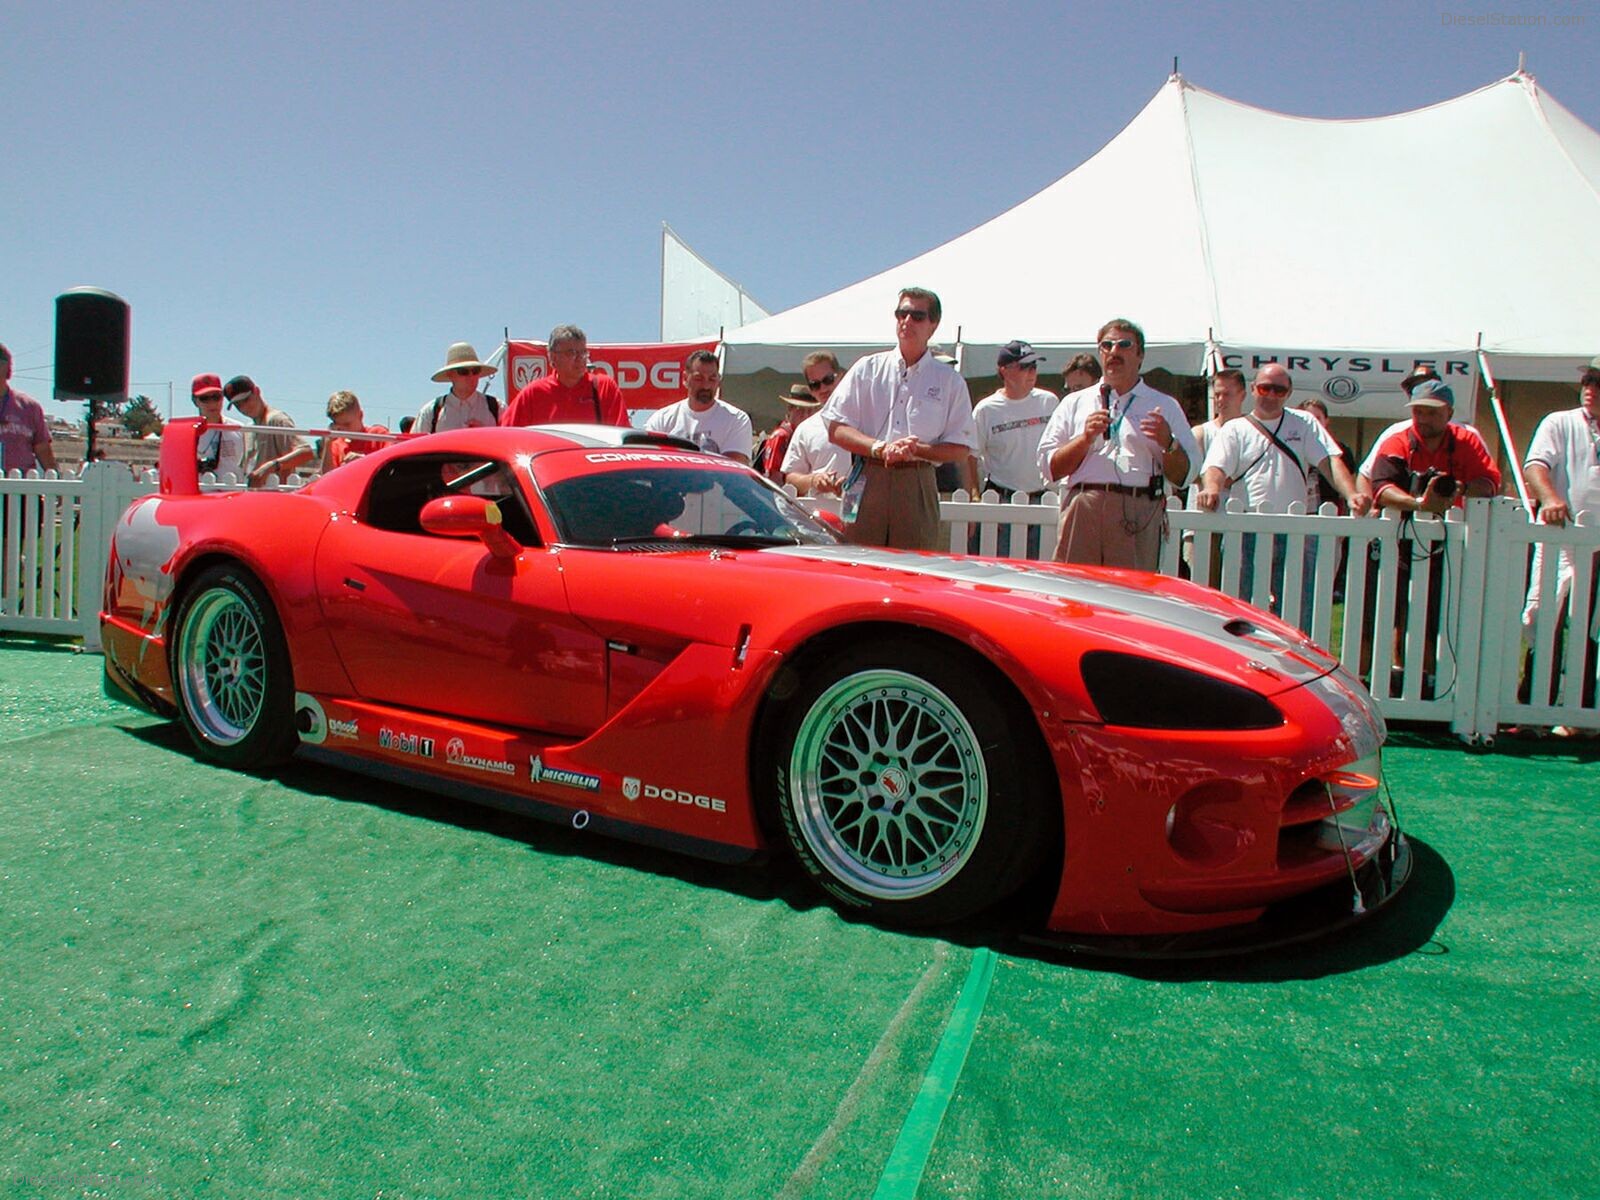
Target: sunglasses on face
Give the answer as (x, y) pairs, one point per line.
(1109, 344)
(911, 314)
(466, 371)
(1592, 379)
(827, 379)
(1272, 389)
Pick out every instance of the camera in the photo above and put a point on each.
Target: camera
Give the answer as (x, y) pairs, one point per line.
(1446, 486)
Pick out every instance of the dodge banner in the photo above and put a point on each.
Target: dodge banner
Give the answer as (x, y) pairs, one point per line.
(650, 375)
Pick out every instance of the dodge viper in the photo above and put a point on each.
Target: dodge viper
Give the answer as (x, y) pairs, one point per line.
(619, 632)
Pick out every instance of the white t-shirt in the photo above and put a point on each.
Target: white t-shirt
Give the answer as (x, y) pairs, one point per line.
(471, 413)
(885, 399)
(1568, 444)
(1245, 454)
(810, 451)
(226, 446)
(1008, 438)
(1204, 435)
(1125, 455)
(720, 429)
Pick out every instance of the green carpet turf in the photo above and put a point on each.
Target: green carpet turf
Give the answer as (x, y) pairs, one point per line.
(315, 985)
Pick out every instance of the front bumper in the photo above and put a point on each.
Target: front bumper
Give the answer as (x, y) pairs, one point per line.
(1302, 918)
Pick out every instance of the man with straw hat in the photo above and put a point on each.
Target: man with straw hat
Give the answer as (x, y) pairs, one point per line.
(798, 404)
(463, 406)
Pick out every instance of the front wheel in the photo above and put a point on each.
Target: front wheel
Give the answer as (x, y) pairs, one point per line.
(903, 788)
(231, 670)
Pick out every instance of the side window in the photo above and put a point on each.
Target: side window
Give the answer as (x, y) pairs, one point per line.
(399, 492)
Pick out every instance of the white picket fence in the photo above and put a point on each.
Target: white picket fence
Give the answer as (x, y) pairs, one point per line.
(1482, 670)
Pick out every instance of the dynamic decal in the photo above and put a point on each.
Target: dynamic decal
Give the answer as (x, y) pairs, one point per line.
(455, 753)
(539, 773)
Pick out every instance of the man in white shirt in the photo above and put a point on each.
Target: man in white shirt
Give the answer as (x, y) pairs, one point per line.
(813, 464)
(1009, 425)
(1271, 454)
(1563, 473)
(465, 405)
(219, 450)
(1117, 446)
(899, 413)
(714, 425)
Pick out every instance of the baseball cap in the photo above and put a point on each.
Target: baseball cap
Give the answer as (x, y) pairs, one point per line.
(204, 384)
(1020, 353)
(1415, 376)
(1432, 394)
(238, 386)
(1594, 365)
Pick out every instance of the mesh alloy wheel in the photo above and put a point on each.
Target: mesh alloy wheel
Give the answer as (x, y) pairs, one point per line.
(222, 666)
(888, 784)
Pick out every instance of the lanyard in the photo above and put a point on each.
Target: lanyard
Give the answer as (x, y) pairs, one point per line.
(1116, 423)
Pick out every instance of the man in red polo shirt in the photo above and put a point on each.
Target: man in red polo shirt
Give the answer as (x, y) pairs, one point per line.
(1431, 443)
(1428, 467)
(571, 393)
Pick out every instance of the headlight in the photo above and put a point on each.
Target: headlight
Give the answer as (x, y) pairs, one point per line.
(1147, 693)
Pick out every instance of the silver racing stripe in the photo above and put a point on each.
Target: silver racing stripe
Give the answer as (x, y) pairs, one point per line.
(1298, 661)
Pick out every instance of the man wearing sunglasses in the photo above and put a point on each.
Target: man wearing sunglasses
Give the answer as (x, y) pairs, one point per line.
(1009, 425)
(899, 413)
(571, 393)
(812, 463)
(219, 449)
(464, 406)
(1271, 454)
(1117, 445)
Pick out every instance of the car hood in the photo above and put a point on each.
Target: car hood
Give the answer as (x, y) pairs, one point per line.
(1162, 601)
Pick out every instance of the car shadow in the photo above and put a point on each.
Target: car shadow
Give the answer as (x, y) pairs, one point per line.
(1407, 925)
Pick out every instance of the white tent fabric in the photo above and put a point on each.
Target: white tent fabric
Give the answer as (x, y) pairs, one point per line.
(697, 300)
(1355, 246)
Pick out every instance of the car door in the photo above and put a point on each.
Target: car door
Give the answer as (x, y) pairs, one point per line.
(438, 624)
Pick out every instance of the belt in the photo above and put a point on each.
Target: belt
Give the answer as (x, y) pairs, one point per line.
(1006, 493)
(1150, 491)
(899, 466)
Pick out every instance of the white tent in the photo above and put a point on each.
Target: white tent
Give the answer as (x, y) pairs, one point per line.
(1349, 249)
(697, 300)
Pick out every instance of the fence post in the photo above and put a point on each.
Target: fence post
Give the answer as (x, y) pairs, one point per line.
(1491, 591)
(108, 489)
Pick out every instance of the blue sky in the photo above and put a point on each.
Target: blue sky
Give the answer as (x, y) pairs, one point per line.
(325, 197)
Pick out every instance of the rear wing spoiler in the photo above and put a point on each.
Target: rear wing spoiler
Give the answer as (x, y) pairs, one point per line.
(180, 466)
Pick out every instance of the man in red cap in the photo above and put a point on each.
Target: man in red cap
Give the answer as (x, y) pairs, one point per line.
(219, 450)
(571, 393)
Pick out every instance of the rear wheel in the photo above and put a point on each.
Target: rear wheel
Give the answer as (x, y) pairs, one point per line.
(902, 787)
(231, 670)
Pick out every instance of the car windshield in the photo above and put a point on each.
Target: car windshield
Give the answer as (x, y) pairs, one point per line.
(657, 504)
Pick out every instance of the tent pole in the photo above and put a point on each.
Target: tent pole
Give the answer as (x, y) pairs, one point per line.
(1512, 457)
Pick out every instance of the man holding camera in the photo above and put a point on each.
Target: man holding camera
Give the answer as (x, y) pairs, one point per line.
(1431, 465)
(1427, 467)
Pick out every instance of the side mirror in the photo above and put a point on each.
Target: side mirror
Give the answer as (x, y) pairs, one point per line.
(470, 516)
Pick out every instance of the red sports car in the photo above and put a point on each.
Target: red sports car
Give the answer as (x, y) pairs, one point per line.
(617, 631)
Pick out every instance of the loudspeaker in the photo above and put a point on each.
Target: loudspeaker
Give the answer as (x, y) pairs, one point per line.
(92, 327)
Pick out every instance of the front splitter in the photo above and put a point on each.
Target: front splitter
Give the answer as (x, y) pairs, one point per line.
(1313, 915)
